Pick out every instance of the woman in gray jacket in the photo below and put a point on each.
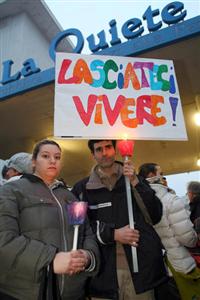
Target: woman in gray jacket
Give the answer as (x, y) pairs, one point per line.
(35, 234)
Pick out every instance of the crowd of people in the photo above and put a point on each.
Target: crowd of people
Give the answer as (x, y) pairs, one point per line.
(37, 258)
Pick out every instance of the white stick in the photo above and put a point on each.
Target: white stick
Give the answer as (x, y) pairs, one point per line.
(75, 241)
(131, 219)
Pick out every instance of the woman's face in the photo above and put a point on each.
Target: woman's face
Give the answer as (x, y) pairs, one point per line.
(47, 164)
(190, 195)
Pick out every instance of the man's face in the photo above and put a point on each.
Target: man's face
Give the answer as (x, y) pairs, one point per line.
(104, 154)
(11, 172)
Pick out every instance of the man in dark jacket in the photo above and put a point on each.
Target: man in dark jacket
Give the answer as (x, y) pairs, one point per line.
(105, 192)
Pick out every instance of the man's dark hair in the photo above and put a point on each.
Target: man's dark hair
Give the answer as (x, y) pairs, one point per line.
(147, 168)
(92, 142)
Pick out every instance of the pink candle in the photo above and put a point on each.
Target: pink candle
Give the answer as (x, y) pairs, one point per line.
(77, 212)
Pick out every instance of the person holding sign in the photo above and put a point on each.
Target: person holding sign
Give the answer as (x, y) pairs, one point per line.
(105, 192)
(36, 237)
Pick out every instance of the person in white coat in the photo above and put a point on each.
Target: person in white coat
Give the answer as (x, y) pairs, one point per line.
(175, 228)
(176, 233)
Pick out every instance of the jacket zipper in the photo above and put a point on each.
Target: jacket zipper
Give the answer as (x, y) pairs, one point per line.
(63, 232)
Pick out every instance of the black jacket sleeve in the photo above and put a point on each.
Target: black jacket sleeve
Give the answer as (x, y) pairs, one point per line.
(151, 201)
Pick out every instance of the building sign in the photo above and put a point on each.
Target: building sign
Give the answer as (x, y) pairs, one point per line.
(112, 97)
(172, 13)
(29, 68)
(29, 75)
(132, 28)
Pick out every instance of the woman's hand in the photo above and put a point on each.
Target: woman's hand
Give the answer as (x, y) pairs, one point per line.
(70, 262)
(87, 257)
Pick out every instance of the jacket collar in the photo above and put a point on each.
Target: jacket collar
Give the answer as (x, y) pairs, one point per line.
(94, 181)
(34, 178)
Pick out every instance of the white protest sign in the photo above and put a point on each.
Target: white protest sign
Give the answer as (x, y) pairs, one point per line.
(111, 97)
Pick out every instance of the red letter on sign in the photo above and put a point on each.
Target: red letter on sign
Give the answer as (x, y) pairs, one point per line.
(61, 77)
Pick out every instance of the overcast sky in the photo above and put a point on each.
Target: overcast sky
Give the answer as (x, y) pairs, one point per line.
(92, 16)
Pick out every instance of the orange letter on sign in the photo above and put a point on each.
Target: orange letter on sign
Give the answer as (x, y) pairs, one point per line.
(155, 99)
(125, 111)
(130, 75)
(82, 72)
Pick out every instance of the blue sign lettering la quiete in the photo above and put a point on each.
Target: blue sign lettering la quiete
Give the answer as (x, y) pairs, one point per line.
(171, 14)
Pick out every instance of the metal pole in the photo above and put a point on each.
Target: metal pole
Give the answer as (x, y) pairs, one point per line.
(131, 219)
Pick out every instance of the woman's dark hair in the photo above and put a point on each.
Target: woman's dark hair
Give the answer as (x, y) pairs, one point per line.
(38, 146)
(92, 142)
(194, 187)
(147, 168)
